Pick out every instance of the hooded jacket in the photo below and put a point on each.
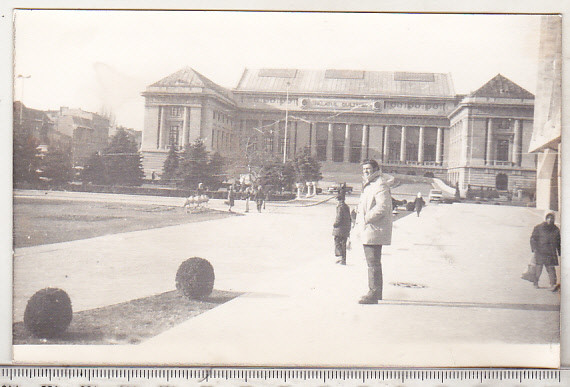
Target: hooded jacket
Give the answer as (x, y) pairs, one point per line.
(374, 217)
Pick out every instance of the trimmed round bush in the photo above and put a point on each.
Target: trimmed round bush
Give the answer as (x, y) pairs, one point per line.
(48, 313)
(410, 206)
(195, 278)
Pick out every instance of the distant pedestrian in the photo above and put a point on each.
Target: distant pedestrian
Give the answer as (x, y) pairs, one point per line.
(374, 222)
(259, 198)
(341, 229)
(545, 244)
(200, 189)
(231, 198)
(247, 197)
(419, 203)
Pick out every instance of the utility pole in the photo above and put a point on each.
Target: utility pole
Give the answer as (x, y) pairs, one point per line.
(286, 122)
(23, 78)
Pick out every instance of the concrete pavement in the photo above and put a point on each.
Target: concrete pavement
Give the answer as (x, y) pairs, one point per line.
(453, 293)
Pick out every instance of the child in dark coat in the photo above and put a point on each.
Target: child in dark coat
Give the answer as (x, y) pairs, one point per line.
(341, 229)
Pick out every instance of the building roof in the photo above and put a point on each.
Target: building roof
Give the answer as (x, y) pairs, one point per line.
(185, 79)
(347, 82)
(501, 87)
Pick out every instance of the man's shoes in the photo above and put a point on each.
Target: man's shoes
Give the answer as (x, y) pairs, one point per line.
(341, 261)
(555, 288)
(536, 285)
(527, 276)
(369, 299)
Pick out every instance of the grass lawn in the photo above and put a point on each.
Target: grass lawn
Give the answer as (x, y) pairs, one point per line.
(129, 322)
(43, 221)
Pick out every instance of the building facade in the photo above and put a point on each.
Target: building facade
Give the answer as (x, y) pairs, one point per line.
(546, 137)
(413, 122)
(89, 132)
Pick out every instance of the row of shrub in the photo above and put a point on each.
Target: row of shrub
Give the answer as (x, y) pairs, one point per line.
(152, 191)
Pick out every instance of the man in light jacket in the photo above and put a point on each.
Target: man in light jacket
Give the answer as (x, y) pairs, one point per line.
(374, 222)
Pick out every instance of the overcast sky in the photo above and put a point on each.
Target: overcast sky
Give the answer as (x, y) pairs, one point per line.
(98, 60)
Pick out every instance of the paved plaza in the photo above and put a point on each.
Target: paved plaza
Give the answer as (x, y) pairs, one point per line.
(452, 289)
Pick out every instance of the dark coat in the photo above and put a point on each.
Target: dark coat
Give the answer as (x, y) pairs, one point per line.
(545, 244)
(259, 196)
(419, 203)
(343, 221)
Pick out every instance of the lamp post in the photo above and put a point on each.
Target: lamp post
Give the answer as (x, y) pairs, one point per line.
(23, 78)
(286, 122)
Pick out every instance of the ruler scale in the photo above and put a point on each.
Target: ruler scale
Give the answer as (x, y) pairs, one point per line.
(57, 376)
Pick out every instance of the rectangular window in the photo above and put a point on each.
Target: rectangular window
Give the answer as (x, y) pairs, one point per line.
(173, 139)
(176, 111)
(355, 150)
(269, 144)
(338, 151)
(503, 150)
(321, 150)
(504, 123)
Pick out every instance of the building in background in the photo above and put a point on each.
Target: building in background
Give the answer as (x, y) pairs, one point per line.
(36, 124)
(182, 108)
(546, 136)
(489, 134)
(89, 132)
(414, 123)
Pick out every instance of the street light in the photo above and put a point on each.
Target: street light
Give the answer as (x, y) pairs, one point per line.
(286, 121)
(23, 78)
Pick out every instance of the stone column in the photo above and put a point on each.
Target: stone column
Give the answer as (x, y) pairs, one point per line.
(313, 138)
(403, 146)
(161, 129)
(438, 146)
(516, 155)
(184, 123)
(346, 157)
(276, 138)
(386, 144)
(364, 144)
(490, 156)
(421, 146)
(330, 143)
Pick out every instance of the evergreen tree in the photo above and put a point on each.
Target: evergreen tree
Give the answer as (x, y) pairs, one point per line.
(306, 167)
(193, 168)
(170, 167)
(95, 170)
(216, 167)
(277, 175)
(56, 165)
(123, 161)
(26, 160)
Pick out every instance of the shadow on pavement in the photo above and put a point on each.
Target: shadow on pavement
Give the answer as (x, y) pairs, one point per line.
(483, 305)
(129, 322)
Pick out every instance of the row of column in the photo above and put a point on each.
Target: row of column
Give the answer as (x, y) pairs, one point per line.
(386, 149)
(490, 153)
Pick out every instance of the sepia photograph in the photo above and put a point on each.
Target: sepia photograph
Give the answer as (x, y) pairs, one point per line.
(291, 188)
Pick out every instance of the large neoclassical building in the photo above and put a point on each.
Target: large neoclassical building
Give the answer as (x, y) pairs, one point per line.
(414, 123)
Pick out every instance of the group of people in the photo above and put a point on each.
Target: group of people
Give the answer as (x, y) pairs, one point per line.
(373, 220)
(256, 194)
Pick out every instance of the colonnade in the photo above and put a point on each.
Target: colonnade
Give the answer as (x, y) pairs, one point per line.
(387, 132)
